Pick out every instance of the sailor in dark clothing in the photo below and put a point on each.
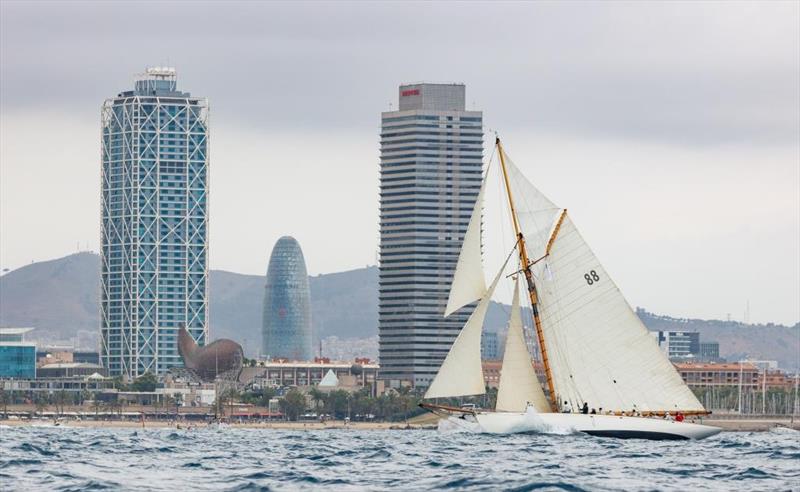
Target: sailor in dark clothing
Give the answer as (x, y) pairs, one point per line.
(585, 409)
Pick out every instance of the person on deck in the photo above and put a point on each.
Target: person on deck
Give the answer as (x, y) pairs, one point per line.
(585, 409)
(679, 417)
(567, 408)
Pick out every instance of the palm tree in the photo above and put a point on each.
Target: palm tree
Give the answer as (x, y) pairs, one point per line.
(96, 404)
(317, 396)
(41, 405)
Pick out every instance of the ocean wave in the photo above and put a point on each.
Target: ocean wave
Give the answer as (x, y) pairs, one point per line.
(264, 459)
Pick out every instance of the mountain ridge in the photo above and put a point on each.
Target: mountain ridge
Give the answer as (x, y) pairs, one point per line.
(46, 294)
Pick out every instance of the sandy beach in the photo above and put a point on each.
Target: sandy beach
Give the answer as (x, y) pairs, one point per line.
(419, 423)
(183, 425)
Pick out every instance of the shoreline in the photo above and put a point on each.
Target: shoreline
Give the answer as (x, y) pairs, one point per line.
(727, 425)
(161, 424)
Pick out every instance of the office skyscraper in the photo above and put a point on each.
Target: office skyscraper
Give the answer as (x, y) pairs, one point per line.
(431, 168)
(154, 224)
(286, 325)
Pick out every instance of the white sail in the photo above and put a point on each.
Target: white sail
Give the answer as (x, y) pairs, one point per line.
(518, 382)
(599, 350)
(468, 280)
(461, 372)
(535, 212)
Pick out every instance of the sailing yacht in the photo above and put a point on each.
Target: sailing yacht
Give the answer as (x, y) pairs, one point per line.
(595, 351)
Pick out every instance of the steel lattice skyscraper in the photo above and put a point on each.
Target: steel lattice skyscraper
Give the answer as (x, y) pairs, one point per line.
(431, 168)
(286, 326)
(154, 224)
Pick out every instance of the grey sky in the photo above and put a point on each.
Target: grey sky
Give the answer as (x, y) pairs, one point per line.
(670, 130)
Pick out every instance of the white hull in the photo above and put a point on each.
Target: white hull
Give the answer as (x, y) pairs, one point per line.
(596, 425)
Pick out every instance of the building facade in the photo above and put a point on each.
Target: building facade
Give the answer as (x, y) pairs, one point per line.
(701, 375)
(286, 322)
(270, 373)
(431, 167)
(17, 357)
(490, 345)
(709, 351)
(154, 224)
(679, 344)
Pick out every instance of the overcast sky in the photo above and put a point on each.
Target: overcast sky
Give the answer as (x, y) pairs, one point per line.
(670, 130)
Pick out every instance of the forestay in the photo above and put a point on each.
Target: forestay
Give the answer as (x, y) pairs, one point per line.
(461, 372)
(600, 352)
(518, 382)
(468, 280)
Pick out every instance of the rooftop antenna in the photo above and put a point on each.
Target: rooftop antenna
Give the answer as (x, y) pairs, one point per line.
(747, 312)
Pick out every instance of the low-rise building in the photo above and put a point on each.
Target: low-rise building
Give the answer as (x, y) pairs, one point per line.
(70, 369)
(17, 357)
(709, 352)
(493, 368)
(76, 384)
(706, 375)
(279, 373)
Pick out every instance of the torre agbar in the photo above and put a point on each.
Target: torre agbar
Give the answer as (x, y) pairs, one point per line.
(154, 224)
(430, 176)
(286, 325)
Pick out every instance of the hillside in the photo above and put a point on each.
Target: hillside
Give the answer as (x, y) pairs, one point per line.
(60, 299)
(737, 340)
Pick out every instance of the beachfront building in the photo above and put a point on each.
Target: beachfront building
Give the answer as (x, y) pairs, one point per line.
(430, 176)
(154, 224)
(286, 322)
(17, 357)
(284, 373)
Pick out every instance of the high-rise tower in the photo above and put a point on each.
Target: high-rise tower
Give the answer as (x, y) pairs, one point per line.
(154, 224)
(431, 168)
(286, 325)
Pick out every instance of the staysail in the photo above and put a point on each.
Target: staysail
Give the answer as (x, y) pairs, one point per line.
(600, 352)
(468, 280)
(535, 212)
(461, 373)
(518, 382)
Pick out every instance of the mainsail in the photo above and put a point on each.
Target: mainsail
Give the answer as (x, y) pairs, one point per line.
(461, 372)
(600, 352)
(518, 382)
(469, 284)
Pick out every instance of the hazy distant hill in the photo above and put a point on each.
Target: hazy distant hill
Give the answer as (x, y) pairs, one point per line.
(60, 297)
(737, 340)
(57, 296)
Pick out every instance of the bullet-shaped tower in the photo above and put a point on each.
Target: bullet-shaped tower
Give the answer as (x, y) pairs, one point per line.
(286, 328)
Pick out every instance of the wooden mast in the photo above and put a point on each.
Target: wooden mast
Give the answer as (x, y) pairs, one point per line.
(526, 268)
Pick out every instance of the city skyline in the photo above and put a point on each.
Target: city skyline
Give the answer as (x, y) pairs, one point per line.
(706, 181)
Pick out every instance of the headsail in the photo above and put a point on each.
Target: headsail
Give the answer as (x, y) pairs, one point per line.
(518, 382)
(600, 352)
(461, 372)
(468, 280)
(535, 212)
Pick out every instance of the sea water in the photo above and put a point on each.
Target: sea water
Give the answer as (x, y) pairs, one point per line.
(64, 458)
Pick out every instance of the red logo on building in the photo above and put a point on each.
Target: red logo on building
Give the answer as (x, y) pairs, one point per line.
(411, 92)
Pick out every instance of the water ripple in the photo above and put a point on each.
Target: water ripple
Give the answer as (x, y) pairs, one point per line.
(351, 460)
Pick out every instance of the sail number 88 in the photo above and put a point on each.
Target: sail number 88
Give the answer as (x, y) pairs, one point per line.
(591, 277)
